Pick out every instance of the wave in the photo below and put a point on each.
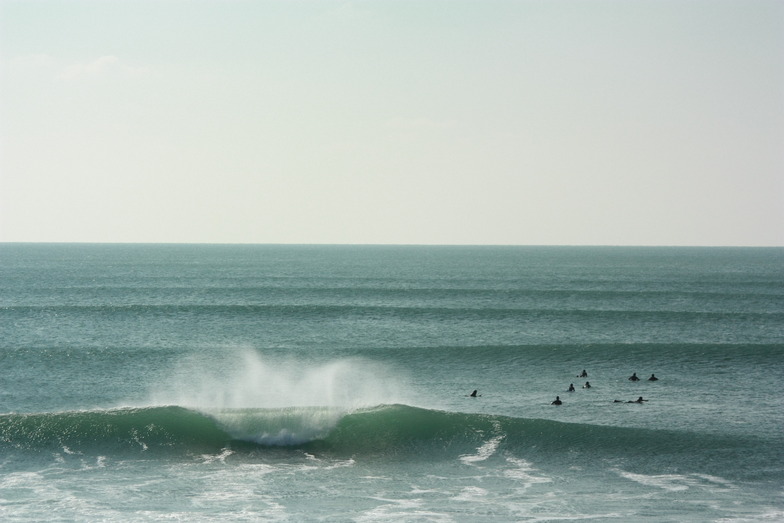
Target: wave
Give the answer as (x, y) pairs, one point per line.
(635, 311)
(123, 429)
(388, 430)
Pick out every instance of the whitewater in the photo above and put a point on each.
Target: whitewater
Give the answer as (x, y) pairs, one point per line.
(332, 383)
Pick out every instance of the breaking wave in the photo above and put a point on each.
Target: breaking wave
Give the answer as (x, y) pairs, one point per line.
(387, 430)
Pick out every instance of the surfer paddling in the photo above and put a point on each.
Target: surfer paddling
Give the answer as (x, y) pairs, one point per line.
(653, 378)
(638, 400)
(474, 395)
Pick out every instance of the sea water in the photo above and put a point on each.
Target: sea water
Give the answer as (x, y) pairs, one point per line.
(332, 383)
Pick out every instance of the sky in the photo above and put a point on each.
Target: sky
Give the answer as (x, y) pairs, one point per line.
(502, 122)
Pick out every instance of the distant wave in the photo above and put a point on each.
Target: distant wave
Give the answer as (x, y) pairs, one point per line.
(389, 430)
(403, 312)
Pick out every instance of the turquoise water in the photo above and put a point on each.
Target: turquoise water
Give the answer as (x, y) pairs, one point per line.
(304, 383)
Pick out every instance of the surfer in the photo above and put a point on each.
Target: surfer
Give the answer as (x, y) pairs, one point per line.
(634, 377)
(557, 401)
(638, 400)
(571, 388)
(587, 385)
(473, 394)
(653, 378)
(583, 374)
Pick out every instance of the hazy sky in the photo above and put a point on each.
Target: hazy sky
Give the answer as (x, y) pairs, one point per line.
(618, 122)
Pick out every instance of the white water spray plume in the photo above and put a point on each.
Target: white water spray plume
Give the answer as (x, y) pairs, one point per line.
(252, 381)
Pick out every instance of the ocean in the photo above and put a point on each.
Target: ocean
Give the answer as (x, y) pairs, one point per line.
(333, 383)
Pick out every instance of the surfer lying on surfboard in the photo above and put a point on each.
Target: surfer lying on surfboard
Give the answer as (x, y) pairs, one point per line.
(638, 400)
